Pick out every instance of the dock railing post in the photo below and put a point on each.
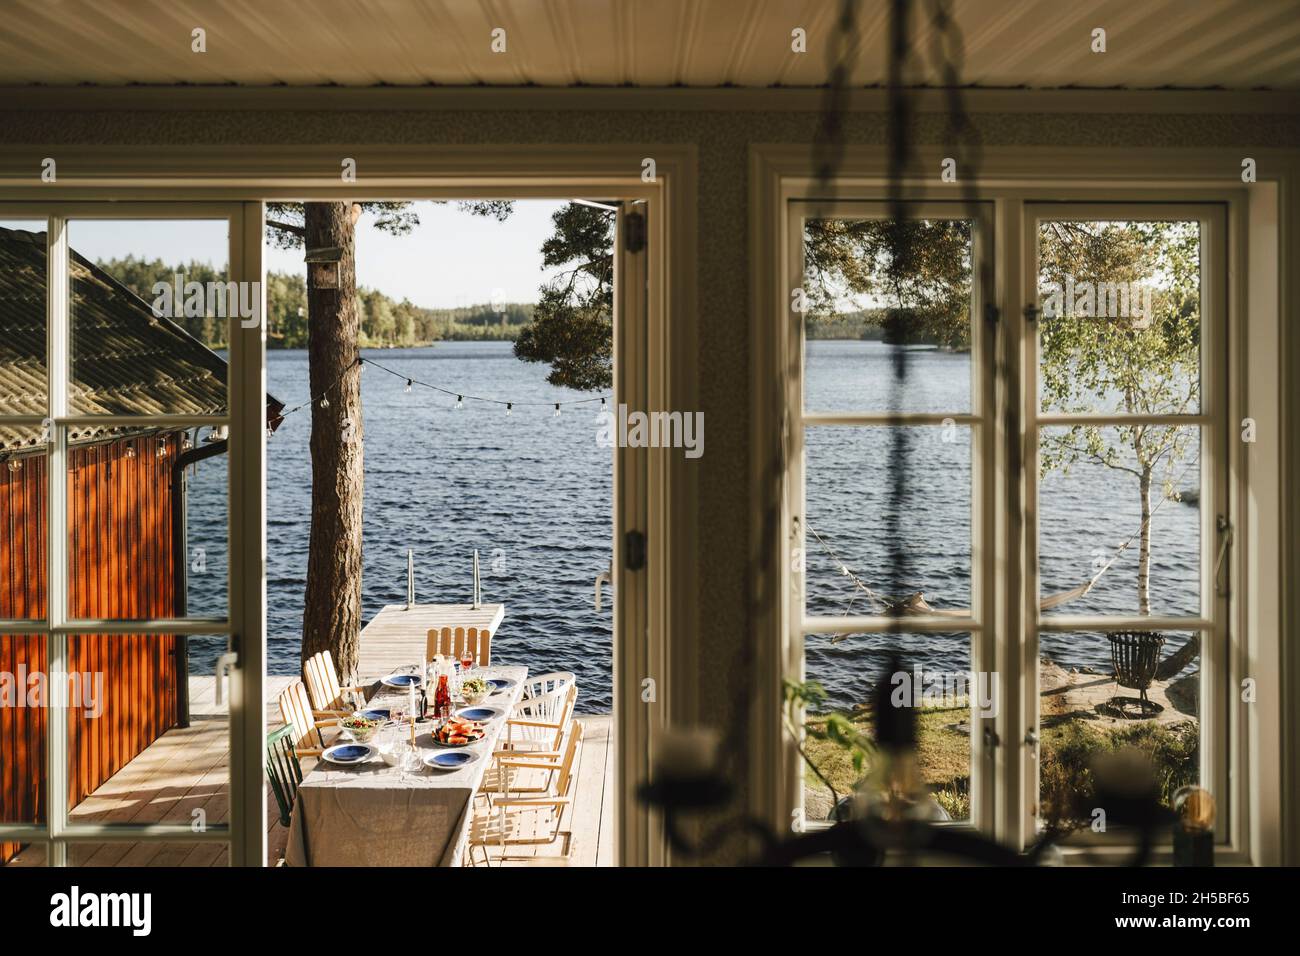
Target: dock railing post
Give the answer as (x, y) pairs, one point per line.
(410, 578)
(477, 597)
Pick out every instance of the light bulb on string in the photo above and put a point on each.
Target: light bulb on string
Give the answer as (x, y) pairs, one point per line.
(460, 403)
(130, 450)
(162, 448)
(15, 464)
(408, 386)
(324, 403)
(557, 409)
(509, 406)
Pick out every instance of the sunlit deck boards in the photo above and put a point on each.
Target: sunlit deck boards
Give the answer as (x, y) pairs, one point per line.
(591, 817)
(396, 637)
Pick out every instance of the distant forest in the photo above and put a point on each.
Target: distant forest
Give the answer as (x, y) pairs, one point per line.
(385, 323)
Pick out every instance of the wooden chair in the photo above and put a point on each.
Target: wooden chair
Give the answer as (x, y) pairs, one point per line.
(451, 642)
(541, 722)
(323, 686)
(295, 710)
(506, 821)
(283, 770)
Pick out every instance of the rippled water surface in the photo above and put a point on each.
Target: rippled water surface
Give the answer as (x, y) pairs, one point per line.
(532, 492)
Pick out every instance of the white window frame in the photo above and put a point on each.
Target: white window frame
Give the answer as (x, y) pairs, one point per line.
(978, 419)
(1011, 178)
(245, 419)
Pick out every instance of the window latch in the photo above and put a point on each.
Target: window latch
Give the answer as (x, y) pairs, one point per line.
(1032, 312)
(991, 738)
(1221, 587)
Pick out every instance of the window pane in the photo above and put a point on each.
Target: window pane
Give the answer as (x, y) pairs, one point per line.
(23, 383)
(936, 675)
(862, 323)
(149, 301)
(147, 524)
(23, 515)
(1120, 328)
(147, 742)
(148, 854)
(22, 732)
(1087, 716)
(850, 561)
(1119, 520)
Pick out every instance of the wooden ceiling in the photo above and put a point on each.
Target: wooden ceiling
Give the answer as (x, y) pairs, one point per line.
(1043, 44)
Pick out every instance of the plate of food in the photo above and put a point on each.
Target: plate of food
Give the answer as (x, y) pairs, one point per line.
(474, 689)
(402, 681)
(346, 755)
(479, 714)
(458, 732)
(449, 759)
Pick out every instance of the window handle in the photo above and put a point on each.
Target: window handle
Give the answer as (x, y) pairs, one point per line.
(1031, 740)
(1224, 527)
(225, 663)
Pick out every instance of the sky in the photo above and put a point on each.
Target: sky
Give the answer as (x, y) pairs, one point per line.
(451, 259)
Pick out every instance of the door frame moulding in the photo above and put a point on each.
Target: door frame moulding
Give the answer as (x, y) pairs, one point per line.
(256, 174)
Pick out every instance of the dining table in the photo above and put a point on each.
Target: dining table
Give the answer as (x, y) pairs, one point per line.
(374, 814)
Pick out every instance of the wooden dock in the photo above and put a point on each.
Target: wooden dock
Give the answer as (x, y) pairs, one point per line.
(396, 636)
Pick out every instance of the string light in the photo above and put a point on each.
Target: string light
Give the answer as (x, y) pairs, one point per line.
(460, 401)
(509, 405)
(162, 448)
(557, 409)
(408, 386)
(130, 450)
(15, 464)
(324, 403)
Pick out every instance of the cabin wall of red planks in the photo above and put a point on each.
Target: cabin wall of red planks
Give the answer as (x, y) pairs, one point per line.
(120, 566)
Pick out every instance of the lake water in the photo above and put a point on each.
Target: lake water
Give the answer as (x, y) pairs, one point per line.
(532, 492)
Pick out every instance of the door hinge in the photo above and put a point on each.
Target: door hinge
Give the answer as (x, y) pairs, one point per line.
(634, 232)
(634, 550)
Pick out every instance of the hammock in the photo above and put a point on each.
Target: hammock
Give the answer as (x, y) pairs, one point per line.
(915, 605)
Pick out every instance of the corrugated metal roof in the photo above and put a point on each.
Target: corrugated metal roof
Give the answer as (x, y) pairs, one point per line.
(1040, 44)
(125, 360)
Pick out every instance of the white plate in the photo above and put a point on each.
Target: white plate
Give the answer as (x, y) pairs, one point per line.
(356, 753)
(402, 681)
(438, 760)
(480, 713)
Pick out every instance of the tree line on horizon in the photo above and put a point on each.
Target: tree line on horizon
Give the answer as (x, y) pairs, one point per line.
(385, 322)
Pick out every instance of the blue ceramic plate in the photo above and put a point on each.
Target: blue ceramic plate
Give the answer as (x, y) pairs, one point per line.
(377, 714)
(402, 680)
(498, 684)
(449, 759)
(479, 713)
(348, 754)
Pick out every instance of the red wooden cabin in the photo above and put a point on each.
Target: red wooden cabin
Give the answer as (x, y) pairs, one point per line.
(126, 499)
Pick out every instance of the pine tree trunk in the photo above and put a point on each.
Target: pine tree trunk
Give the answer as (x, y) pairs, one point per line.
(1144, 544)
(331, 617)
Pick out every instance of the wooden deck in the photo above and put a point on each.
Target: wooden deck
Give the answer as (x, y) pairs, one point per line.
(396, 637)
(186, 770)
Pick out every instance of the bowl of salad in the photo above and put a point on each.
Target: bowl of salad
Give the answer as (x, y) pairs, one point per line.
(360, 727)
(474, 689)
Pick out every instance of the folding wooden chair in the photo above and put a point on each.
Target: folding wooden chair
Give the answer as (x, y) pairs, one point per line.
(323, 686)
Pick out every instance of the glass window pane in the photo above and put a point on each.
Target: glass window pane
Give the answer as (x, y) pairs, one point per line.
(148, 854)
(23, 517)
(1087, 716)
(22, 732)
(147, 524)
(849, 560)
(149, 300)
(936, 675)
(1120, 327)
(23, 383)
(147, 742)
(1119, 520)
(862, 323)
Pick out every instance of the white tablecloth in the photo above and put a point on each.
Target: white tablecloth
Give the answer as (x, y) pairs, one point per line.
(374, 815)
